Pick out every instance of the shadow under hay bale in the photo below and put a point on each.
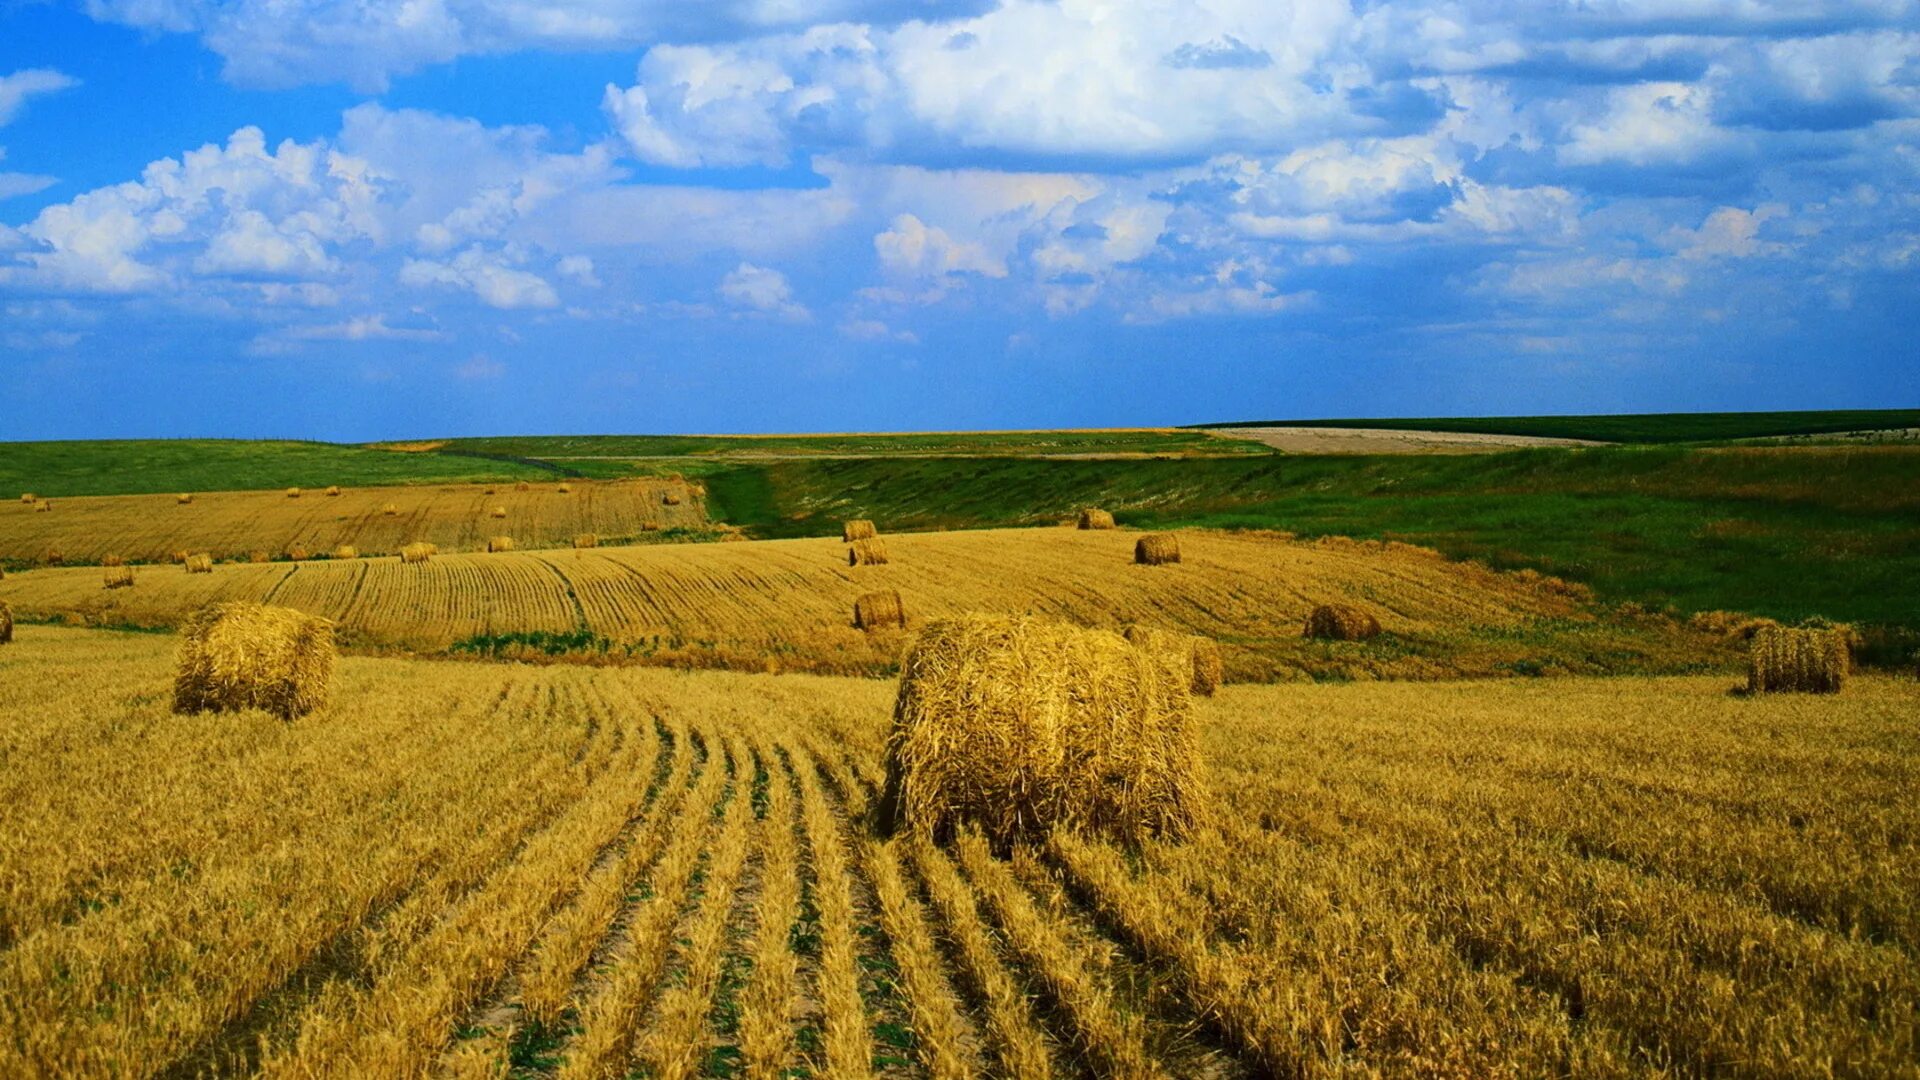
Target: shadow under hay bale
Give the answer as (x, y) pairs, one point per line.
(243, 655)
(1095, 519)
(1201, 654)
(1341, 622)
(857, 529)
(880, 610)
(1020, 725)
(500, 543)
(6, 624)
(118, 577)
(866, 553)
(416, 553)
(199, 564)
(1156, 549)
(1806, 660)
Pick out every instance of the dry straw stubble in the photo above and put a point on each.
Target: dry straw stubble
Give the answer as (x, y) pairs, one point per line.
(866, 553)
(857, 529)
(1156, 549)
(1092, 518)
(880, 610)
(1811, 660)
(1020, 724)
(242, 655)
(1341, 622)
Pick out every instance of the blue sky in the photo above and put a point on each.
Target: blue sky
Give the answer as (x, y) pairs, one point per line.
(336, 219)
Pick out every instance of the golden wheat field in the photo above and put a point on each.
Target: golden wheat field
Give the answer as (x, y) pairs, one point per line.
(233, 524)
(789, 603)
(455, 869)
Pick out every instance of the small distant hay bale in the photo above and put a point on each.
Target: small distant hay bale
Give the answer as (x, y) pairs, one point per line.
(670, 499)
(118, 576)
(346, 551)
(28, 498)
(179, 557)
(183, 499)
(43, 506)
(297, 553)
(333, 491)
(243, 655)
(6, 623)
(1731, 625)
(523, 486)
(499, 511)
(500, 543)
(1791, 659)
(866, 553)
(879, 610)
(1018, 725)
(1095, 519)
(55, 557)
(293, 493)
(1341, 622)
(391, 509)
(1156, 549)
(199, 564)
(112, 560)
(857, 529)
(586, 540)
(258, 557)
(649, 526)
(565, 489)
(416, 553)
(1201, 654)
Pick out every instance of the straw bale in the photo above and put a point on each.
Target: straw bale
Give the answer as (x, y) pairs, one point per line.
(258, 557)
(523, 486)
(500, 543)
(586, 540)
(1016, 725)
(1341, 622)
(670, 498)
(297, 553)
(112, 560)
(416, 553)
(857, 529)
(1155, 549)
(243, 655)
(499, 511)
(877, 610)
(6, 623)
(333, 490)
(346, 551)
(199, 564)
(183, 499)
(1091, 518)
(1809, 660)
(866, 553)
(293, 493)
(117, 576)
(43, 506)
(391, 509)
(564, 489)
(1201, 654)
(28, 498)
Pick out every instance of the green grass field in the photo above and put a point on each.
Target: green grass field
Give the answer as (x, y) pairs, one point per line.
(603, 448)
(154, 466)
(1635, 427)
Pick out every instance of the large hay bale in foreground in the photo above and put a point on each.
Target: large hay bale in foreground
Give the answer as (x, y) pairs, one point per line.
(1091, 518)
(6, 623)
(1200, 654)
(1808, 660)
(118, 576)
(199, 564)
(1018, 725)
(878, 610)
(500, 543)
(243, 655)
(1154, 549)
(416, 553)
(1341, 622)
(857, 529)
(866, 553)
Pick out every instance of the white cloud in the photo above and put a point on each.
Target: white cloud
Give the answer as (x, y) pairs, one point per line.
(17, 88)
(875, 330)
(490, 275)
(1647, 124)
(763, 290)
(578, 268)
(911, 247)
(480, 366)
(1731, 233)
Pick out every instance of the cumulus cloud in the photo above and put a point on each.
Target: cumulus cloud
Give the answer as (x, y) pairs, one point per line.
(493, 276)
(761, 290)
(16, 89)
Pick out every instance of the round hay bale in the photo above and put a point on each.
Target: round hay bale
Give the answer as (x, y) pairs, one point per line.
(416, 553)
(6, 623)
(1200, 654)
(1156, 549)
(523, 486)
(1341, 622)
(199, 564)
(499, 511)
(670, 499)
(297, 553)
(258, 557)
(118, 576)
(293, 493)
(565, 489)
(391, 509)
(346, 551)
(43, 506)
(28, 498)
(112, 560)
(243, 655)
(183, 499)
(857, 529)
(878, 610)
(1805, 660)
(333, 491)
(1091, 518)
(55, 557)
(1018, 725)
(586, 540)
(500, 543)
(866, 553)
(179, 557)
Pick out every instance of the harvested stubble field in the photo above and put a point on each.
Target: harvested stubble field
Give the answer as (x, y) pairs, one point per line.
(586, 871)
(789, 603)
(230, 524)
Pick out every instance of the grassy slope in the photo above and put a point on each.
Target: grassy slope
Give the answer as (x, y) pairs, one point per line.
(150, 466)
(1636, 428)
(1787, 533)
(1015, 443)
